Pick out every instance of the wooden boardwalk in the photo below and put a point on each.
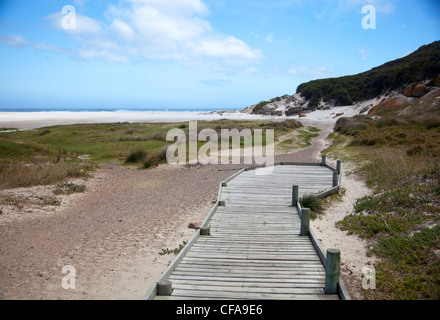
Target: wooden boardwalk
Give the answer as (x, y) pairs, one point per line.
(254, 250)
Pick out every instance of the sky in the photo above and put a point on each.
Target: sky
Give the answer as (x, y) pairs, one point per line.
(195, 54)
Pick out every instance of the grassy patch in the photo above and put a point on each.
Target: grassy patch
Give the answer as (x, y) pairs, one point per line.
(136, 156)
(311, 202)
(306, 138)
(51, 155)
(69, 188)
(400, 159)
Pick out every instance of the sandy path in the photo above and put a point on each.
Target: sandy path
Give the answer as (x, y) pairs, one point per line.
(353, 249)
(112, 234)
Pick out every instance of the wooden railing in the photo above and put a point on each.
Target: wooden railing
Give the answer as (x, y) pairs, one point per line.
(331, 261)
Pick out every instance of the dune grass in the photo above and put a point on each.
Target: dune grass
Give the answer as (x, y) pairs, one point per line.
(53, 154)
(400, 159)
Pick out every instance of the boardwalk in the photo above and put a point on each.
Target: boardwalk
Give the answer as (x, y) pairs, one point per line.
(254, 250)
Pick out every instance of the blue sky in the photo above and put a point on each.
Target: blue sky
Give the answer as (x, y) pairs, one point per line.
(207, 54)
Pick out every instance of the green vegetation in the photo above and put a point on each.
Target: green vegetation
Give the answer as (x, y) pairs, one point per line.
(421, 65)
(176, 251)
(314, 102)
(301, 138)
(399, 158)
(313, 203)
(259, 106)
(306, 137)
(69, 188)
(53, 155)
(136, 156)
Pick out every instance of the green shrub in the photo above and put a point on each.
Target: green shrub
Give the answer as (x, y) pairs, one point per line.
(418, 66)
(44, 132)
(314, 102)
(311, 202)
(136, 156)
(151, 160)
(158, 136)
(416, 150)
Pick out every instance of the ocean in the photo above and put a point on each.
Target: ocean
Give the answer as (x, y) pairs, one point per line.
(100, 109)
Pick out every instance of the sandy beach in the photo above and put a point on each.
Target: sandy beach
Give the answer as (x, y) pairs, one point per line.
(113, 233)
(33, 120)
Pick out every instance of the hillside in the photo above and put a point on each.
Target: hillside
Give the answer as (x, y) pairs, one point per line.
(420, 67)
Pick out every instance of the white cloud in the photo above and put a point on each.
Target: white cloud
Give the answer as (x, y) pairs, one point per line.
(227, 47)
(320, 72)
(365, 54)
(270, 38)
(123, 30)
(16, 41)
(157, 29)
(42, 46)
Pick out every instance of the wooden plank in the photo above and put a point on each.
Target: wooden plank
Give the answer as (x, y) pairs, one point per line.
(247, 290)
(249, 295)
(273, 281)
(297, 283)
(254, 250)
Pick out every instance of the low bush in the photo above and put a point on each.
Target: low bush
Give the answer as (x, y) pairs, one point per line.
(20, 174)
(158, 136)
(136, 156)
(311, 202)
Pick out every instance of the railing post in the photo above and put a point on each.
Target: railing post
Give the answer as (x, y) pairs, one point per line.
(164, 288)
(294, 195)
(335, 178)
(205, 231)
(338, 166)
(323, 160)
(305, 222)
(332, 271)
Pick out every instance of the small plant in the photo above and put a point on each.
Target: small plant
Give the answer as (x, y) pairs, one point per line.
(136, 156)
(311, 202)
(131, 138)
(158, 136)
(153, 159)
(69, 188)
(150, 160)
(176, 251)
(51, 201)
(162, 153)
(416, 150)
(44, 132)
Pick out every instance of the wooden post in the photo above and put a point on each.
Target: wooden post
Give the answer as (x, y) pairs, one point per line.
(332, 271)
(323, 158)
(335, 178)
(305, 222)
(294, 195)
(338, 166)
(205, 231)
(164, 288)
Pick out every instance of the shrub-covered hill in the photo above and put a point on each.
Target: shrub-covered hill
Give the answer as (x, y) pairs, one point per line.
(423, 64)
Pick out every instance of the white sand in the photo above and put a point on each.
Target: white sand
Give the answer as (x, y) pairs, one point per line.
(32, 120)
(353, 249)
